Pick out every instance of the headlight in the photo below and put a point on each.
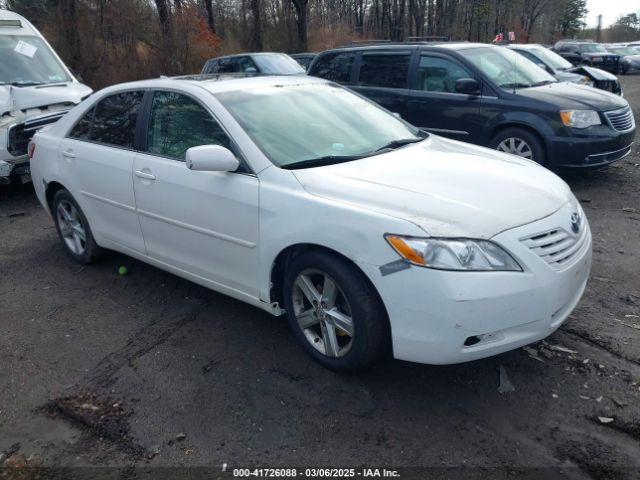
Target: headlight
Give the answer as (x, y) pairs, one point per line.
(453, 253)
(580, 118)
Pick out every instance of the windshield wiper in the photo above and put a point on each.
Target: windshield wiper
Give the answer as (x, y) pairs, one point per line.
(543, 83)
(26, 84)
(516, 85)
(399, 143)
(322, 161)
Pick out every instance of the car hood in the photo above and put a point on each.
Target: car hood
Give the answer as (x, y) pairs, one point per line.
(14, 98)
(447, 188)
(593, 73)
(564, 76)
(571, 96)
(633, 58)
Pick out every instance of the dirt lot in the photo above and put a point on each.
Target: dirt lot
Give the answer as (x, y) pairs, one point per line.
(150, 370)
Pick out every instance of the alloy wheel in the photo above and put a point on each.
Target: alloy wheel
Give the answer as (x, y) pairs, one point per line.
(516, 146)
(323, 313)
(71, 228)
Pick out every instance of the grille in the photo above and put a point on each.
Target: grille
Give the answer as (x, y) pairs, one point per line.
(20, 134)
(621, 120)
(557, 247)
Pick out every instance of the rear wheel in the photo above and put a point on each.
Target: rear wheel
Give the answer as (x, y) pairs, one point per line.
(334, 312)
(73, 229)
(520, 142)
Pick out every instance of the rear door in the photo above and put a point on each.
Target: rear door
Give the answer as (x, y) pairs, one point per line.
(97, 159)
(383, 76)
(203, 223)
(435, 106)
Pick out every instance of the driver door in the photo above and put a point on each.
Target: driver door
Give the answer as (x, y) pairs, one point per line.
(204, 223)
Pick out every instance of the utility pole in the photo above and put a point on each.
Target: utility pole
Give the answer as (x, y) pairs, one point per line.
(599, 29)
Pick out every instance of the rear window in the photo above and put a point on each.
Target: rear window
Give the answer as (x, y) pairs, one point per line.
(334, 66)
(384, 70)
(114, 122)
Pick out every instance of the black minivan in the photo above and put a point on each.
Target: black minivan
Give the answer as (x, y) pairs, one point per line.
(487, 95)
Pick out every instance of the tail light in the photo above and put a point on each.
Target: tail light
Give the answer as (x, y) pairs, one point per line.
(31, 149)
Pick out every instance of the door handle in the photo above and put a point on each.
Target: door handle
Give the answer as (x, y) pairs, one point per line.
(68, 154)
(145, 175)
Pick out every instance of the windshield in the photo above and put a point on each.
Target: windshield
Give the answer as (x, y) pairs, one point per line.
(26, 60)
(507, 68)
(623, 50)
(552, 59)
(300, 123)
(278, 64)
(592, 48)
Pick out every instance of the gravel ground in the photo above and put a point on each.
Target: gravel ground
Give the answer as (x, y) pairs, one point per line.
(149, 370)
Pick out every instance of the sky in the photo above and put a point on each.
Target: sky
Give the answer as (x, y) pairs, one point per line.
(610, 10)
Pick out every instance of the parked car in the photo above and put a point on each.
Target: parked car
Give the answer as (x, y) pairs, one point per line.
(629, 58)
(563, 71)
(588, 54)
(298, 196)
(36, 89)
(490, 96)
(263, 63)
(304, 59)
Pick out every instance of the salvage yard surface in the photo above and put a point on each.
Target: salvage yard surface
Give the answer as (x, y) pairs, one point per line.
(147, 369)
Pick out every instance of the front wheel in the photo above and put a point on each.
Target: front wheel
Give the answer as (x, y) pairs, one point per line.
(520, 142)
(334, 312)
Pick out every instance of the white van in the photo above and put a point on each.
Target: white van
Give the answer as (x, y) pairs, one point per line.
(36, 89)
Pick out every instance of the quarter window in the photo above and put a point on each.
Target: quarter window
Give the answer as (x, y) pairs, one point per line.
(335, 67)
(178, 123)
(115, 118)
(384, 71)
(437, 74)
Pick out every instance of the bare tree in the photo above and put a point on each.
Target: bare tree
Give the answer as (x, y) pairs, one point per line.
(256, 34)
(302, 10)
(208, 6)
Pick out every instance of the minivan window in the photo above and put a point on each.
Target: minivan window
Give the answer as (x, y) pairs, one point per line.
(592, 48)
(437, 74)
(334, 66)
(27, 60)
(384, 70)
(506, 68)
(114, 122)
(178, 123)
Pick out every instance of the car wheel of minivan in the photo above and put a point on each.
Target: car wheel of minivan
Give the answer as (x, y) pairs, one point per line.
(73, 229)
(335, 312)
(520, 142)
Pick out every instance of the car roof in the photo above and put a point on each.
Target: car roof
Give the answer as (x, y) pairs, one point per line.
(247, 54)
(413, 45)
(25, 29)
(218, 83)
(525, 46)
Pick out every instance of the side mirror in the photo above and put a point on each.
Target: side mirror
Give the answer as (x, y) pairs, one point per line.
(211, 158)
(468, 86)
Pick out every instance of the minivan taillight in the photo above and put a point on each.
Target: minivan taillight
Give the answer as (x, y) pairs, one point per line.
(31, 149)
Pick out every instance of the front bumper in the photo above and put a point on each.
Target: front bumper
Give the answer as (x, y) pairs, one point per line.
(602, 147)
(442, 317)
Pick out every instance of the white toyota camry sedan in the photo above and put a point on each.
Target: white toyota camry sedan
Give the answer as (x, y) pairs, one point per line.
(302, 198)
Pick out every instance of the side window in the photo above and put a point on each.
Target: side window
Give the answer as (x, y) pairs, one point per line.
(384, 70)
(437, 74)
(114, 122)
(225, 65)
(334, 66)
(83, 127)
(178, 123)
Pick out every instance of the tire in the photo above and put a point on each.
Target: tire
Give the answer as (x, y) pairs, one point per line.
(358, 344)
(73, 229)
(502, 142)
